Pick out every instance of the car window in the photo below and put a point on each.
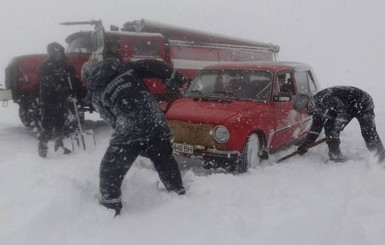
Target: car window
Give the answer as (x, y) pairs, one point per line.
(284, 84)
(239, 84)
(305, 82)
(312, 84)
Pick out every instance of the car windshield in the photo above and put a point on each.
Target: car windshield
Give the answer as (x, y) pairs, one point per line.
(236, 84)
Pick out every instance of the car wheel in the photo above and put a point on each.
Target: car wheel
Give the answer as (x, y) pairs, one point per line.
(250, 156)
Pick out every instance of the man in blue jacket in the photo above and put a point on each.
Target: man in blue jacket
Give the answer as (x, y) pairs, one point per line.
(121, 97)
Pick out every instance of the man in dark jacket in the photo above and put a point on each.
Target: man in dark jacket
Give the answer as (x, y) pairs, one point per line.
(54, 91)
(332, 109)
(121, 97)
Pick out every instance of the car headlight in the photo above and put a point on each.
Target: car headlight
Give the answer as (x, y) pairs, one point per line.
(221, 134)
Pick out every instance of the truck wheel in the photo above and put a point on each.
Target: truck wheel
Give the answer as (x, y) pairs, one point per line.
(25, 115)
(251, 153)
(28, 114)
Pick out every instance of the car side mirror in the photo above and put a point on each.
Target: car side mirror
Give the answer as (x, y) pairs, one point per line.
(282, 97)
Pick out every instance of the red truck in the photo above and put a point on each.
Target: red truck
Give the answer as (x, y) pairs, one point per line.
(187, 50)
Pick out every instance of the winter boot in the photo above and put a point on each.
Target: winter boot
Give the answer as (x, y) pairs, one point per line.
(115, 204)
(336, 157)
(43, 149)
(59, 144)
(335, 153)
(178, 190)
(66, 151)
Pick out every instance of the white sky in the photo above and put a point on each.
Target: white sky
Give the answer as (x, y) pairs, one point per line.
(337, 37)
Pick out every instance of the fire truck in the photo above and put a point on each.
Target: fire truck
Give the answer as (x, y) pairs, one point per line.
(185, 49)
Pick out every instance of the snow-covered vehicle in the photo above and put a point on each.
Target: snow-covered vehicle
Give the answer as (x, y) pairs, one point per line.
(187, 50)
(235, 114)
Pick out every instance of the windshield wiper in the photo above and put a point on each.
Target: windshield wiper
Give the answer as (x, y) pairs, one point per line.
(226, 93)
(194, 92)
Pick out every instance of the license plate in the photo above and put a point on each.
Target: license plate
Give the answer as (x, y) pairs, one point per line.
(183, 148)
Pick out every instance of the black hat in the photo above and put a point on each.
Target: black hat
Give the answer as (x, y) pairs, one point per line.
(54, 48)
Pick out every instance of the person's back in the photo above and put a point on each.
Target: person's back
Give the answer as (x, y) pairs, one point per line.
(128, 97)
(341, 99)
(332, 109)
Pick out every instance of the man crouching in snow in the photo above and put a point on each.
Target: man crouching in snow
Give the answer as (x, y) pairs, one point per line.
(332, 109)
(121, 97)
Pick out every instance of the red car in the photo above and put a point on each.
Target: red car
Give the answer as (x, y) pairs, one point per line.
(235, 114)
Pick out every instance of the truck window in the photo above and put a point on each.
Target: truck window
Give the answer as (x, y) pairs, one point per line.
(79, 45)
(112, 47)
(145, 48)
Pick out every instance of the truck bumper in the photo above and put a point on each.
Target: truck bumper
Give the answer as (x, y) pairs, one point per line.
(5, 94)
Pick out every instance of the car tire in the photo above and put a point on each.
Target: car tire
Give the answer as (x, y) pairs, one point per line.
(251, 153)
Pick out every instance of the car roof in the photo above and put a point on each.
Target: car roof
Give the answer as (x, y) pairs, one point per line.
(260, 65)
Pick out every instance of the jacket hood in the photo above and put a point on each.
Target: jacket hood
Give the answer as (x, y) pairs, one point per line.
(103, 74)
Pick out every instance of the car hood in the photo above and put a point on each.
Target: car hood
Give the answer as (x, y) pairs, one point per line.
(207, 110)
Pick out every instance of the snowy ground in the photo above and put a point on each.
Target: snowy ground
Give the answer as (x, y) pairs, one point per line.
(304, 200)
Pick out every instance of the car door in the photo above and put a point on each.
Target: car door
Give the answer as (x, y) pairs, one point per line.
(287, 120)
(305, 84)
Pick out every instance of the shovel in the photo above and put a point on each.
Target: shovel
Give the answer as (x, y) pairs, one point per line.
(82, 134)
(296, 152)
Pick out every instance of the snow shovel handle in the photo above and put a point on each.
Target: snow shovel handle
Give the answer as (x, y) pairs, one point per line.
(77, 114)
(296, 152)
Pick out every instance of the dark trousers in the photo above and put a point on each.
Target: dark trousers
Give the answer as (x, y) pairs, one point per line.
(119, 158)
(52, 122)
(368, 132)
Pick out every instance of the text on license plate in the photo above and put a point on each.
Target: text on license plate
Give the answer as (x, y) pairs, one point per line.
(183, 148)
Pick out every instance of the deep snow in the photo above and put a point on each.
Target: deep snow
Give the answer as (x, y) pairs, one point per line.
(305, 200)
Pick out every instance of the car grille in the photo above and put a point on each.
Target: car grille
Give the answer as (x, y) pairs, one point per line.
(191, 133)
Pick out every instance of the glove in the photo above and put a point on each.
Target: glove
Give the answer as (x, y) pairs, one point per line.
(302, 149)
(72, 99)
(335, 134)
(174, 84)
